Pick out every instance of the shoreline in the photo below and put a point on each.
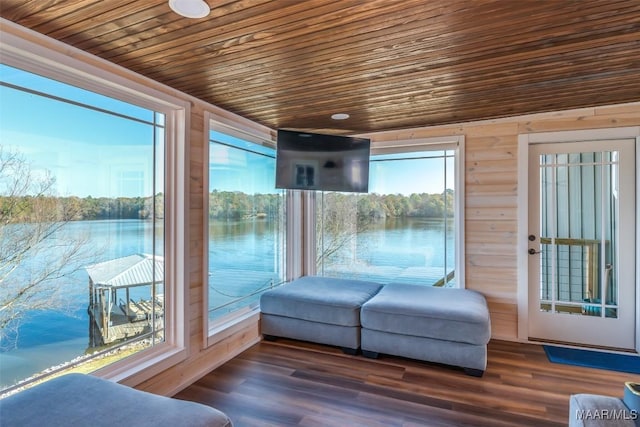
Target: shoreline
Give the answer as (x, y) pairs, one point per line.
(85, 364)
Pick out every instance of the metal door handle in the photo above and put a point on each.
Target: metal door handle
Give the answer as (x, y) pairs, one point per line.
(533, 252)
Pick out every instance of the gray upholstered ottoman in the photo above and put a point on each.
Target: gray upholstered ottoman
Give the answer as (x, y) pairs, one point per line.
(592, 410)
(318, 309)
(85, 400)
(441, 325)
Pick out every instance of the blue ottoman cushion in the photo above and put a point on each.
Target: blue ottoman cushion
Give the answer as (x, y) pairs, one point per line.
(458, 315)
(320, 299)
(594, 410)
(80, 400)
(442, 325)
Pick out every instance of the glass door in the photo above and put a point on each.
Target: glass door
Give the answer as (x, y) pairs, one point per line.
(581, 243)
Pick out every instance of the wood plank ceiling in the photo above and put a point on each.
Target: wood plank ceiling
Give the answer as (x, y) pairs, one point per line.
(390, 64)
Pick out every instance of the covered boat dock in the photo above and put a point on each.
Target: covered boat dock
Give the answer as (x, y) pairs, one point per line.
(115, 315)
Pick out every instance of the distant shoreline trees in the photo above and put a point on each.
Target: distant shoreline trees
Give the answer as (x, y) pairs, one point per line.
(343, 216)
(226, 205)
(238, 205)
(75, 208)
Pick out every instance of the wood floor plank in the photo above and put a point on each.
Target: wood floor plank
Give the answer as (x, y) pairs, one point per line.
(292, 383)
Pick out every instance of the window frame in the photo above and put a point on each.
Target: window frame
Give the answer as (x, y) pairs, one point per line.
(228, 123)
(33, 52)
(453, 143)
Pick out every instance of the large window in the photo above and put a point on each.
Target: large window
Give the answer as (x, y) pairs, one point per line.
(403, 230)
(246, 232)
(84, 226)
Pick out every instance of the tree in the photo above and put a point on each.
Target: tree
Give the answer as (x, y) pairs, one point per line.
(338, 223)
(36, 252)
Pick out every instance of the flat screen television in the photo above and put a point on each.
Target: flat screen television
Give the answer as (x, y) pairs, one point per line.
(312, 161)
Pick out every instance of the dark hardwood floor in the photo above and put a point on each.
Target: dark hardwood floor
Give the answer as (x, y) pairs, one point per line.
(290, 383)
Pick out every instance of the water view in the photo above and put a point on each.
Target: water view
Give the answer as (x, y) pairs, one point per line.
(409, 250)
(97, 166)
(47, 338)
(406, 249)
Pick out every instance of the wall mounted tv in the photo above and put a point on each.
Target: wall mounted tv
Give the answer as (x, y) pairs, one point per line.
(312, 161)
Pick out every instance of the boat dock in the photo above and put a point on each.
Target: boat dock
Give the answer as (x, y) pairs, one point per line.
(113, 315)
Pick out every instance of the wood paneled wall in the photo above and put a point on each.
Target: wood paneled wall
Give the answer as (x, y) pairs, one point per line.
(491, 184)
(491, 224)
(491, 214)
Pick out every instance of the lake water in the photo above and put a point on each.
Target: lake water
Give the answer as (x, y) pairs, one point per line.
(409, 250)
(46, 339)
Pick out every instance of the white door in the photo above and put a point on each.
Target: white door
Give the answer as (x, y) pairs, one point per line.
(582, 243)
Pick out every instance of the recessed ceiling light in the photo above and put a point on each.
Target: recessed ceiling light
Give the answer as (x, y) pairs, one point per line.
(190, 8)
(340, 116)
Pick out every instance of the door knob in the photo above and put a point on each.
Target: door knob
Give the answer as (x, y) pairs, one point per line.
(533, 251)
(532, 237)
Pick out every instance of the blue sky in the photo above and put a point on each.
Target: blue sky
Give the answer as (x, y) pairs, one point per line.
(410, 176)
(407, 176)
(89, 152)
(92, 153)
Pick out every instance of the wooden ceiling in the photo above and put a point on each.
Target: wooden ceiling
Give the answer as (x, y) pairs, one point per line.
(390, 64)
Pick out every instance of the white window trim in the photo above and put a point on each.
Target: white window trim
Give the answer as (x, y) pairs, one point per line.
(28, 50)
(455, 143)
(524, 140)
(295, 248)
(234, 125)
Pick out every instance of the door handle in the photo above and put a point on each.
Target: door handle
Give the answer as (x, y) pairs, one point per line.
(533, 252)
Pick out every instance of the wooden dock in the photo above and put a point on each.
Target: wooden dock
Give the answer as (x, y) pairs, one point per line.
(125, 322)
(114, 315)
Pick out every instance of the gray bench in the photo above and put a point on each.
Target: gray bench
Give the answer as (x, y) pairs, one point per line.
(442, 325)
(433, 324)
(318, 309)
(83, 400)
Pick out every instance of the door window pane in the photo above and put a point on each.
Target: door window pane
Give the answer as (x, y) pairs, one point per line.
(579, 206)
